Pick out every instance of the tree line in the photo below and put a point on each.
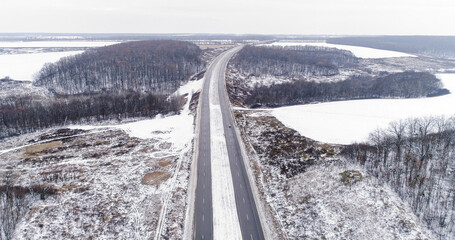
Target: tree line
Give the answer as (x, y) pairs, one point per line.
(406, 85)
(157, 66)
(416, 157)
(295, 62)
(18, 116)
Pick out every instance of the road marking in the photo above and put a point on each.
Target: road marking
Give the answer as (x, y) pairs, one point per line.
(203, 186)
(238, 174)
(203, 200)
(247, 218)
(203, 217)
(251, 235)
(243, 200)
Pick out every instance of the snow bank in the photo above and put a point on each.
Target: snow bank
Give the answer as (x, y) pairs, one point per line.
(361, 52)
(345, 122)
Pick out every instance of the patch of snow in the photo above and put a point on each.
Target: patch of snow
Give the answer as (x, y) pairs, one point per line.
(345, 122)
(24, 66)
(266, 80)
(190, 87)
(361, 52)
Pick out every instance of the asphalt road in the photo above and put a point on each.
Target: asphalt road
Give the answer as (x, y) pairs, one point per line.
(246, 208)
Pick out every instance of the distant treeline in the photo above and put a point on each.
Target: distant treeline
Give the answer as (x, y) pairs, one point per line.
(18, 116)
(416, 157)
(157, 66)
(296, 62)
(405, 84)
(437, 46)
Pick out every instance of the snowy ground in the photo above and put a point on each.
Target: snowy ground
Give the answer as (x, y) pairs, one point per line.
(345, 122)
(125, 181)
(322, 201)
(361, 52)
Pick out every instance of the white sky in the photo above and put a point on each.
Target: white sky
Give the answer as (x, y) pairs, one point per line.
(375, 17)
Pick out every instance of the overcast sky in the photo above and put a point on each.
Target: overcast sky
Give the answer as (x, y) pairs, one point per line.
(371, 17)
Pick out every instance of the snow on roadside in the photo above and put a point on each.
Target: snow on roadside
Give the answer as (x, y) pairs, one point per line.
(345, 122)
(361, 52)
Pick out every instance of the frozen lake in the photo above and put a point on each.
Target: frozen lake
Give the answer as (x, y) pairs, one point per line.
(345, 122)
(25, 66)
(361, 52)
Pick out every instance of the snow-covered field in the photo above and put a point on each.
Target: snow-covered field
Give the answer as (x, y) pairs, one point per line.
(345, 122)
(51, 44)
(25, 66)
(361, 52)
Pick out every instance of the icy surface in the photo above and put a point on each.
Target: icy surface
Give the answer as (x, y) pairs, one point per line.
(345, 122)
(361, 52)
(24, 66)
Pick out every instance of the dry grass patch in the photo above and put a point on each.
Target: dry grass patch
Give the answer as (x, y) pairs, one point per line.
(39, 149)
(164, 163)
(155, 178)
